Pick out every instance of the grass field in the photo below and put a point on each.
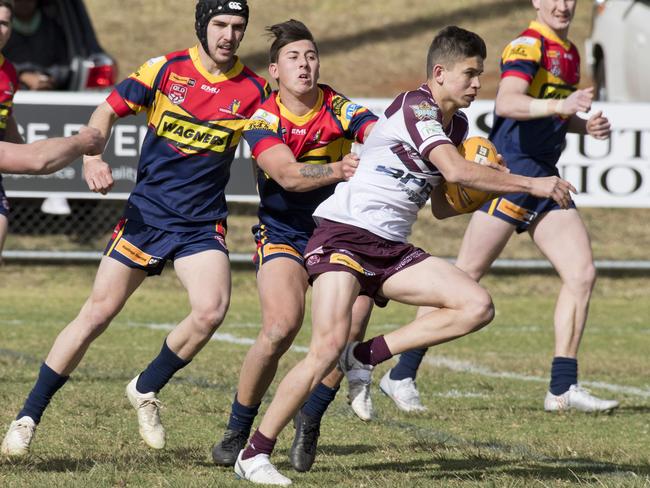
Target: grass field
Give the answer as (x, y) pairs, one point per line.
(485, 425)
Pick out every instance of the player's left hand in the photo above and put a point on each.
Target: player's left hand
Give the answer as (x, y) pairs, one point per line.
(349, 165)
(598, 126)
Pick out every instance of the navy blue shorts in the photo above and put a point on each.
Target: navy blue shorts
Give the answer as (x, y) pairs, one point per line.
(521, 209)
(370, 258)
(141, 246)
(274, 243)
(4, 203)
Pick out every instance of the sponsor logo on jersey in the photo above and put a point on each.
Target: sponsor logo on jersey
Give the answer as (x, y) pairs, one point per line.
(155, 60)
(268, 117)
(523, 51)
(417, 188)
(556, 91)
(424, 111)
(429, 128)
(338, 103)
(526, 40)
(234, 106)
(192, 136)
(298, 132)
(351, 110)
(232, 109)
(258, 125)
(186, 80)
(177, 93)
(210, 89)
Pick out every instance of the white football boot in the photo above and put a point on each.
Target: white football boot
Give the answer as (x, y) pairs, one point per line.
(577, 398)
(260, 470)
(359, 393)
(359, 377)
(148, 408)
(19, 437)
(403, 392)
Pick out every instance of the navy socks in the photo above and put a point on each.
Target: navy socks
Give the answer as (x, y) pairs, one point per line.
(242, 417)
(564, 373)
(319, 400)
(160, 370)
(408, 364)
(47, 384)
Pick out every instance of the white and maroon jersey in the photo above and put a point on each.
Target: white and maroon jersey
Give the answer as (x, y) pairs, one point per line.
(394, 178)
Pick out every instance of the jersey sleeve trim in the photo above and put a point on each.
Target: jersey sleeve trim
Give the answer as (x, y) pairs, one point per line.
(119, 105)
(263, 145)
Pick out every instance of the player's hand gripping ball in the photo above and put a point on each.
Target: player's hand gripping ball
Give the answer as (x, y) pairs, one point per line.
(463, 199)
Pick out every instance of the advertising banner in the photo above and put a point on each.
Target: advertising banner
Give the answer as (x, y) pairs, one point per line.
(612, 173)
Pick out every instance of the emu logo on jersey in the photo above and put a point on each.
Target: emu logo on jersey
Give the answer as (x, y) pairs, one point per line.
(177, 93)
(192, 136)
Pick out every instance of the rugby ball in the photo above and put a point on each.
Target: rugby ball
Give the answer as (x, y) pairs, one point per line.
(463, 199)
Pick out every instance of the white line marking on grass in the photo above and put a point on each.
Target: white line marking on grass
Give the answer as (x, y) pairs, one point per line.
(439, 362)
(460, 394)
(467, 367)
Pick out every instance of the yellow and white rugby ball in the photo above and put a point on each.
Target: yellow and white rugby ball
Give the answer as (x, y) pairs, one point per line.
(463, 199)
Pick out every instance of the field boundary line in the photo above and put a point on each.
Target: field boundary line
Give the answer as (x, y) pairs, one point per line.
(442, 362)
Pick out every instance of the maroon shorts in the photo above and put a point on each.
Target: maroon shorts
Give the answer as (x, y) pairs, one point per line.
(372, 259)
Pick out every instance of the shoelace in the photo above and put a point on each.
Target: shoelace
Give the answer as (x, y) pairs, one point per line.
(311, 431)
(151, 410)
(234, 440)
(409, 391)
(24, 432)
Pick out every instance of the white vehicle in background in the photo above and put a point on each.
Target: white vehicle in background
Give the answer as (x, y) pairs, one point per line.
(618, 50)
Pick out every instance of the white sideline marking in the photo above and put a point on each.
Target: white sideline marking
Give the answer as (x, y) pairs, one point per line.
(467, 367)
(444, 363)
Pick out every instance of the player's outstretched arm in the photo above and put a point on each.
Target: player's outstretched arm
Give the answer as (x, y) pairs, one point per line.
(280, 164)
(456, 169)
(49, 155)
(97, 172)
(513, 101)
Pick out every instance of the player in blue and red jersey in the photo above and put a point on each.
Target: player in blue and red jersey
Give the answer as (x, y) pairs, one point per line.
(197, 102)
(536, 105)
(300, 139)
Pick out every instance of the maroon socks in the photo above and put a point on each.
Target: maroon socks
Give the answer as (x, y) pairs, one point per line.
(373, 352)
